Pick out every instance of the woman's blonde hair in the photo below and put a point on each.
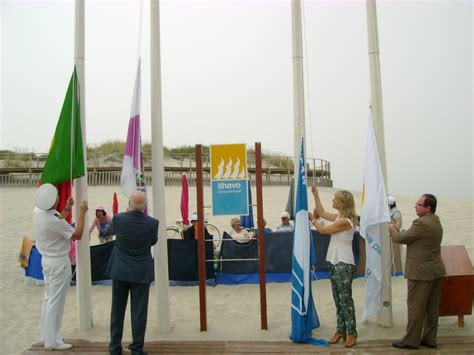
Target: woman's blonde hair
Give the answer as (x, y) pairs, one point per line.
(348, 205)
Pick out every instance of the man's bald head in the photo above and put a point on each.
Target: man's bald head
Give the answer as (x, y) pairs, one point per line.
(137, 201)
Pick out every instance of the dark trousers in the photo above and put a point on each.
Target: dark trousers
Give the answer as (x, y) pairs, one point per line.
(423, 311)
(139, 308)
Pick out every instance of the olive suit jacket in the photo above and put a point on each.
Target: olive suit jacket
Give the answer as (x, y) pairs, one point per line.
(423, 240)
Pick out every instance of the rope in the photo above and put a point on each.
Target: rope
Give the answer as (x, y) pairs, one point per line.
(140, 26)
(307, 78)
(73, 118)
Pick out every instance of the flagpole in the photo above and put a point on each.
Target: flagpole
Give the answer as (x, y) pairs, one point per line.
(158, 174)
(83, 263)
(385, 316)
(298, 86)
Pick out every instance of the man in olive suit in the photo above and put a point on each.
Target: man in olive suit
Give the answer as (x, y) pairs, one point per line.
(424, 270)
(131, 270)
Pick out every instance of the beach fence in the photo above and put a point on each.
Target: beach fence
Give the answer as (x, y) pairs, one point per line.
(24, 169)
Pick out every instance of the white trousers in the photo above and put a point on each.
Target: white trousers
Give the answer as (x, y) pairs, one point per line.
(57, 276)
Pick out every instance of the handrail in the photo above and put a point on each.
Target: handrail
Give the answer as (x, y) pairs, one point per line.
(24, 169)
(33, 160)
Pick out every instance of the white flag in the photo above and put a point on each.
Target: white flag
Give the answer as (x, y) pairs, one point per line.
(373, 213)
(132, 170)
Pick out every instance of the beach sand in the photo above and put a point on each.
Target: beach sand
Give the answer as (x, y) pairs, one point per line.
(233, 311)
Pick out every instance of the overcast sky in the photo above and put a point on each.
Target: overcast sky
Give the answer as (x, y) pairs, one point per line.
(227, 78)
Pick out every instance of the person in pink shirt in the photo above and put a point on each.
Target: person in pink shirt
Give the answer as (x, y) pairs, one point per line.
(103, 222)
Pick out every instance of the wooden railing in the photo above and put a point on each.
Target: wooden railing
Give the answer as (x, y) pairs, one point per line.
(172, 177)
(105, 169)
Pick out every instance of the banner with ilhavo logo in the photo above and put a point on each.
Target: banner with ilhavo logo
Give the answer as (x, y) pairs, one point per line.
(229, 181)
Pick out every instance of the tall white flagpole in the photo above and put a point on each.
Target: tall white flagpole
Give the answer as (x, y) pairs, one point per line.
(158, 174)
(83, 258)
(385, 316)
(298, 87)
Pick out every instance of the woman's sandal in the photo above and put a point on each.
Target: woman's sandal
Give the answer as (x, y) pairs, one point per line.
(351, 341)
(336, 337)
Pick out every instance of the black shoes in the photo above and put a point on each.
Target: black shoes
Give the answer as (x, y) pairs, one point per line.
(428, 345)
(400, 345)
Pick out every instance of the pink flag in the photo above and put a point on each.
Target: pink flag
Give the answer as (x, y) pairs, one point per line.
(115, 204)
(184, 200)
(132, 170)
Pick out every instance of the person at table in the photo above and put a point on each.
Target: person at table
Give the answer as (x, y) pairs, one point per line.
(285, 225)
(190, 233)
(238, 233)
(103, 223)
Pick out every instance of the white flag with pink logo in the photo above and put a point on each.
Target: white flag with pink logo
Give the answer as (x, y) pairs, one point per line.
(132, 170)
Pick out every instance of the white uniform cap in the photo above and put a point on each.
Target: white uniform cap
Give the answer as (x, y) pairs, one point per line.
(391, 200)
(45, 197)
(285, 214)
(194, 217)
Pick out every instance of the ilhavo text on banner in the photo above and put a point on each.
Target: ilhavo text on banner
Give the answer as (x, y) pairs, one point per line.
(229, 181)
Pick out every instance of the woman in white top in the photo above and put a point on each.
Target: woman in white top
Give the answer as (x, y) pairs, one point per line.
(239, 233)
(341, 260)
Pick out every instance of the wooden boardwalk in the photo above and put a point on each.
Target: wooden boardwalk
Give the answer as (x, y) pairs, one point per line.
(446, 345)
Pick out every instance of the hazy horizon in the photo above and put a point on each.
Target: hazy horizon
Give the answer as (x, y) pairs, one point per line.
(227, 78)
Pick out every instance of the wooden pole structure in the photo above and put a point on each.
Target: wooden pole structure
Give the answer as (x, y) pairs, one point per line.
(158, 174)
(385, 316)
(201, 242)
(83, 256)
(261, 237)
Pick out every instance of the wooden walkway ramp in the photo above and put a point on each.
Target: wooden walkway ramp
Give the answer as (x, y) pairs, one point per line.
(454, 345)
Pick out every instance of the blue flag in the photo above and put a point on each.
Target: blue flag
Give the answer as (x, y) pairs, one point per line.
(303, 312)
(246, 221)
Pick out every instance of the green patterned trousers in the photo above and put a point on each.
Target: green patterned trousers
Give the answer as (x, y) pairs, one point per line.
(341, 282)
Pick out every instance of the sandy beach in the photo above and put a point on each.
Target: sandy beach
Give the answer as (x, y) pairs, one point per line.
(233, 311)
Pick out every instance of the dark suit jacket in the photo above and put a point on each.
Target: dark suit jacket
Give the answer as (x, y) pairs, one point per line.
(423, 241)
(131, 259)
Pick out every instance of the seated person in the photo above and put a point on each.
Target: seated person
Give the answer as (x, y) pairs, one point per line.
(286, 225)
(238, 233)
(190, 233)
(103, 222)
(265, 228)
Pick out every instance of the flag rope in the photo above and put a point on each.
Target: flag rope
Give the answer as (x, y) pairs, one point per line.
(71, 146)
(307, 78)
(140, 25)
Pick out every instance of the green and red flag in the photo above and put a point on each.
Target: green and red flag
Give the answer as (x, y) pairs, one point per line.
(65, 160)
(66, 157)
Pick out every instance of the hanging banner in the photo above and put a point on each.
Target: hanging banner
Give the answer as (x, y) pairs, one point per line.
(229, 180)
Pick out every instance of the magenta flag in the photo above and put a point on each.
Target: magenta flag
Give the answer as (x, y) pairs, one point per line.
(184, 200)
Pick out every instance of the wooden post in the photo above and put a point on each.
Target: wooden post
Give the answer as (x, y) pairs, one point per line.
(261, 237)
(200, 237)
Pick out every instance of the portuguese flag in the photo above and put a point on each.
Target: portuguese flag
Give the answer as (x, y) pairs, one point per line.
(66, 158)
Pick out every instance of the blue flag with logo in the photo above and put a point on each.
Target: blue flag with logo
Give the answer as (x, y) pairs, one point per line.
(303, 312)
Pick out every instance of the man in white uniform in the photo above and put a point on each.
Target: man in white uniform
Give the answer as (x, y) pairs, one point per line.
(53, 234)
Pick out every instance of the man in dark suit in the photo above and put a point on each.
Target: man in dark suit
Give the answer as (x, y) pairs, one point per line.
(424, 270)
(131, 270)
